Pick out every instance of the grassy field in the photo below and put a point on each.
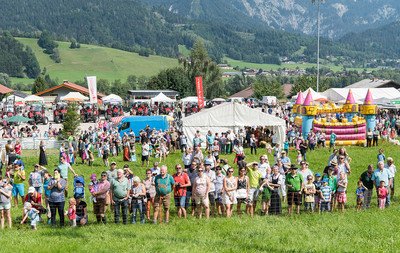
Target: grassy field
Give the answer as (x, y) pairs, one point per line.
(106, 63)
(373, 230)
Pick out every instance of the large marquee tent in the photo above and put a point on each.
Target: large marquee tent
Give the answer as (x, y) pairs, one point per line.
(339, 95)
(231, 116)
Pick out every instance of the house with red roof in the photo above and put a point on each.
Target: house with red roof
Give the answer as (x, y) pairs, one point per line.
(65, 88)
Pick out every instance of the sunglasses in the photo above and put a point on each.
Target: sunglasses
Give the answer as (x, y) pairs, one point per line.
(200, 170)
(230, 171)
(178, 168)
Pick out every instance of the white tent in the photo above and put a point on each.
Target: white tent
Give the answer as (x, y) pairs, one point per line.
(231, 116)
(74, 97)
(112, 98)
(13, 98)
(33, 98)
(378, 94)
(317, 96)
(162, 98)
(189, 100)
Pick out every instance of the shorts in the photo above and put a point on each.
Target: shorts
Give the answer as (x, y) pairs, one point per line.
(5, 206)
(294, 198)
(218, 198)
(309, 206)
(164, 200)
(18, 189)
(211, 198)
(38, 189)
(105, 156)
(360, 200)
(145, 158)
(99, 207)
(241, 201)
(341, 197)
(253, 196)
(180, 201)
(202, 200)
(35, 221)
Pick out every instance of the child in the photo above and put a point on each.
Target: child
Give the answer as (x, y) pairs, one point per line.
(309, 192)
(318, 184)
(71, 213)
(91, 157)
(360, 195)
(32, 213)
(341, 191)
(133, 152)
(381, 156)
(277, 152)
(266, 189)
(325, 194)
(93, 187)
(299, 157)
(382, 194)
(286, 146)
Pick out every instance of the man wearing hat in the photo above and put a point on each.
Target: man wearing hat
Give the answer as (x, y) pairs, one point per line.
(294, 184)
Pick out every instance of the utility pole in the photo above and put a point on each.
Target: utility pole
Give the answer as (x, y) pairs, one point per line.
(318, 34)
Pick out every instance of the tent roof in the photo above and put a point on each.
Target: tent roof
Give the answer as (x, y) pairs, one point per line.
(192, 99)
(74, 96)
(231, 114)
(33, 98)
(315, 95)
(162, 98)
(340, 94)
(112, 98)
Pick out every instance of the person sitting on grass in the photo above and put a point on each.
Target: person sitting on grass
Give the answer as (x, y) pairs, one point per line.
(33, 215)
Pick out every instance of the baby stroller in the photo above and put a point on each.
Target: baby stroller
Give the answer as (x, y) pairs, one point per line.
(79, 187)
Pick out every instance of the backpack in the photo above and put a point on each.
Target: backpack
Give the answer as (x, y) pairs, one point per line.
(79, 187)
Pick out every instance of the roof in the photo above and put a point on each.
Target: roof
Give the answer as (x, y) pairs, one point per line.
(340, 94)
(69, 85)
(5, 90)
(374, 83)
(20, 94)
(153, 93)
(246, 93)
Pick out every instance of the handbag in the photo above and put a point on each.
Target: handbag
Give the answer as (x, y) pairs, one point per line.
(241, 194)
(133, 158)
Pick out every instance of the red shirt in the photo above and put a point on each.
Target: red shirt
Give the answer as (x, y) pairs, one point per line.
(18, 148)
(182, 180)
(36, 200)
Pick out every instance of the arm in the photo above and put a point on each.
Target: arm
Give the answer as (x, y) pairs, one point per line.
(73, 171)
(187, 182)
(143, 193)
(247, 185)
(208, 185)
(24, 219)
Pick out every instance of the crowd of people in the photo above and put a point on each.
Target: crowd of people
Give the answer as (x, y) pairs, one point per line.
(202, 184)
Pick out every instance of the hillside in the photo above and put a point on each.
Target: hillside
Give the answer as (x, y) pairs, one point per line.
(106, 63)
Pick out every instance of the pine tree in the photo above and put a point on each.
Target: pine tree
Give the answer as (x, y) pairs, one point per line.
(39, 85)
(71, 120)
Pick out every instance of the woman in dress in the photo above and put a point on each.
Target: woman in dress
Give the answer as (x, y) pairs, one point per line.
(126, 145)
(71, 156)
(150, 192)
(229, 195)
(275, 182)
(42, 154)
(242, 191)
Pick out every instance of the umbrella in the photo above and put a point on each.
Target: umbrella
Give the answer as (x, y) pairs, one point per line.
(18, 119)
(112, 98)
(74, 97)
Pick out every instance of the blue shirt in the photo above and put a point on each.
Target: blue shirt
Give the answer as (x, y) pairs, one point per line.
(57, 195)
(326, 193)
(379, 176)
(381, 157)
(210, 139)
(332, 137)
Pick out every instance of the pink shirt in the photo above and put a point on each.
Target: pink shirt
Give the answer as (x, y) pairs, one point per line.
(103, 186)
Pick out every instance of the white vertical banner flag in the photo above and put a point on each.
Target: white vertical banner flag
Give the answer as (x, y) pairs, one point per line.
(92, 86)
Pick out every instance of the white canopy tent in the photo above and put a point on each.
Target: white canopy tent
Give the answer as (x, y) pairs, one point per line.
(112, 98)
(162, 98)
(34, 98)
(317, 96)
(339, 95)
(231, 116)
(74, 97)
(13, 98)
(189, 100)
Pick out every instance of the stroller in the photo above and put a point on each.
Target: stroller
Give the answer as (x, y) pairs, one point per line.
(79, 187)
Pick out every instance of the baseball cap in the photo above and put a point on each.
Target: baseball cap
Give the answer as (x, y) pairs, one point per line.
(333, 163)
(31, 189)
(317, 175)
(113, 163)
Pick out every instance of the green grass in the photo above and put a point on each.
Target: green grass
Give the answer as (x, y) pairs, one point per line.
(184, 50)
(374, 229)
(103, 62)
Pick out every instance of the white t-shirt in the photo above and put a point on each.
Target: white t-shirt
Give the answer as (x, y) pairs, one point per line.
(211, 174)
(262, 168)
(145, 150)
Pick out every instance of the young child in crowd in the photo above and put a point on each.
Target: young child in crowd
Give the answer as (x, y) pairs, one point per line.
(309, 191)
(93, 186)
(318, 184)
(341, 191)
(33, 215)
(382, 194)
(381, 156)
(71, 213)
(299, 157)
(265, 189)
(286, 146)
(360, 191)
(325, 194)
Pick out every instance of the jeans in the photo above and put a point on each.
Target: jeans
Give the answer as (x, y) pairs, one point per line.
(57, 207)
(118, 205)
(367, 198)
(137, 205)
(187, 200)
(253, 148)
(325, 206)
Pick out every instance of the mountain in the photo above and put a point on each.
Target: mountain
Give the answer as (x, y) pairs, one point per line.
(339, 17)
